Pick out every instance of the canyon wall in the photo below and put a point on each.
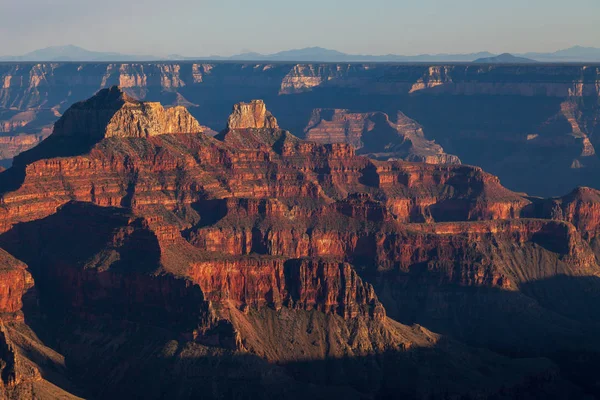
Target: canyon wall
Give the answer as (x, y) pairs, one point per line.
(535, 126)
(376, 136)
(154, 258)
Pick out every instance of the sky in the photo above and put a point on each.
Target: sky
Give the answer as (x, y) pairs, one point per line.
(227, 27)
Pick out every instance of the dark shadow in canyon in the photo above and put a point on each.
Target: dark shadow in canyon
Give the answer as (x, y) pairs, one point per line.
(556, 317)
(492, 132)
(102, 262)
(120, 329)
(103, 320)
(114, 358)
(109, 357)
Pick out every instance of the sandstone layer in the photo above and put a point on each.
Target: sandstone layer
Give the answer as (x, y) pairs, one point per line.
(251, 115)
(113, 113)
(165, 259)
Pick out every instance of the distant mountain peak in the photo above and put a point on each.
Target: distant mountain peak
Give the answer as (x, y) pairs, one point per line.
(504, 58)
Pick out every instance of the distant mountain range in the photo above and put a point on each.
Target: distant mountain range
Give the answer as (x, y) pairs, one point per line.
(505, 58)
(75, 53)
(313, 54)
(576, 53)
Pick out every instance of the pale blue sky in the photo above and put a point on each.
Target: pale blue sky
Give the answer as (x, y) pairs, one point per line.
(225, 27)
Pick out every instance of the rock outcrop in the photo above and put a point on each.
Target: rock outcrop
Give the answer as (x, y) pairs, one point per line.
(27, 366)
(581, 208)
(23, 130)
(113, 113)
(374, 135)
(15, 282)
(327, 286)
(253, 115)
(11, 146)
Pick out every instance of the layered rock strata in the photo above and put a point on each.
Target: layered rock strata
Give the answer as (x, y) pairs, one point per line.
(157, 248)
(374, 135)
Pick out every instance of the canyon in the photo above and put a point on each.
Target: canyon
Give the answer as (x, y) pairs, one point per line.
(534, 126)
(143, 255)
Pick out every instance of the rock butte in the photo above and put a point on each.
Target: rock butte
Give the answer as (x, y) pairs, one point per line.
(159, 252)
(113, 113)
(253, 115)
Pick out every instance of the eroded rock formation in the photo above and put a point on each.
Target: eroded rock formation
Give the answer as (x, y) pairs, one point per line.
(251, 115)
(534, 126)
(11, 146)
(27, 366)
(374, 135)
(159, 254)
(113, 113)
